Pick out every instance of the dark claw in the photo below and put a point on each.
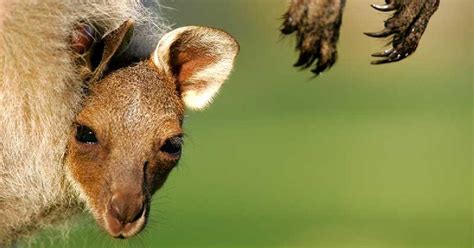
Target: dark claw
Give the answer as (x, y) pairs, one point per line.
(322, 67)
(384, 33)
(385, 7)
(380, 62)
(319, 69)
(287, 28)
(384, 61)
(384, 53)
(390, 59)
(305, 60)
(394, 56)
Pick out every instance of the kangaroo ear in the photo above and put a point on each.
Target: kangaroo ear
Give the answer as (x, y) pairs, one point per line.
(199, 59)
(112, 44)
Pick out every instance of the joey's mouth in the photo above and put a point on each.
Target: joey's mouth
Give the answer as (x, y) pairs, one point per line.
(125, 229)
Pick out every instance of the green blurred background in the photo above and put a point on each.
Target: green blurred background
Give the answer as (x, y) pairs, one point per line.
(362, 156)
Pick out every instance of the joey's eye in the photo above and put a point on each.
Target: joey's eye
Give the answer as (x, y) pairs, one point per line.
(172, 146)
(85, 135)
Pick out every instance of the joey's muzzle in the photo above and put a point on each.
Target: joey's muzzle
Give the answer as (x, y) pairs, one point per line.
(126, 214)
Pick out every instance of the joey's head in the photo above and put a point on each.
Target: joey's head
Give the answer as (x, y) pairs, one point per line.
(128, 135)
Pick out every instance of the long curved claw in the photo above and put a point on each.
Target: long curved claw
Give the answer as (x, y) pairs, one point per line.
(389, 56)
(287, 27)
(322, 66)
(398, 57)
(384, 33)
(384, 7)
(384, 53)
(305, 60)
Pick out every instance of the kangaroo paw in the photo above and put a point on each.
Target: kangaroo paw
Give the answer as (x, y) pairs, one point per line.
(316, 24)
(405, 27)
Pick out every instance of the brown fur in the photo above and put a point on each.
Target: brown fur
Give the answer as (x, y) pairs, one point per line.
(133, 111)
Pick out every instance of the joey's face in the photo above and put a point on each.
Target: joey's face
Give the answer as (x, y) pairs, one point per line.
(125, 142)
(128, 137)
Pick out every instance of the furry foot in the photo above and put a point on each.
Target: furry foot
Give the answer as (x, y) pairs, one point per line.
(316, 23)
(406, 27)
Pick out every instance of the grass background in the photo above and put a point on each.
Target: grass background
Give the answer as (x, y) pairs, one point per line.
(362, 156)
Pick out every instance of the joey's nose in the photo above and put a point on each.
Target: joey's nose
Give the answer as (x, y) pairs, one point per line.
(126, 207)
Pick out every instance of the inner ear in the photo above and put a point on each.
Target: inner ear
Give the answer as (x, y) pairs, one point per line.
(112, 44)
(186, 60)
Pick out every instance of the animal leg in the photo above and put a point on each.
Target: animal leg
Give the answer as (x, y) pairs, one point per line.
(316, 24)
(405, 26)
